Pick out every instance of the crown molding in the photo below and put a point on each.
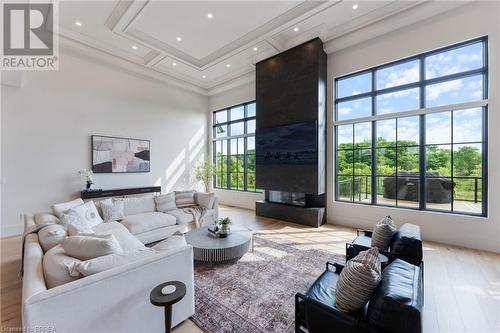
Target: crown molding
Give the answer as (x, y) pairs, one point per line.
(96, 55)
(395, 20)
(246, 78)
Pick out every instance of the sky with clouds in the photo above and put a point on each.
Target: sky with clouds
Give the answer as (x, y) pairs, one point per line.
(438, 126)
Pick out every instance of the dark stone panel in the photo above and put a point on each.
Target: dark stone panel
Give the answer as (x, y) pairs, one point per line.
(290, 89)
(311, 216)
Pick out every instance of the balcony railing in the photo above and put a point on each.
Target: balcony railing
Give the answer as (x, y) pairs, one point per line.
(360, 187)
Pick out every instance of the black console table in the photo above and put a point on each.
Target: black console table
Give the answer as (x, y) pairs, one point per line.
(119, 192)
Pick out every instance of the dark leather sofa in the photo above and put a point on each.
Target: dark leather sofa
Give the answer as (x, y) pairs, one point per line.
(406, 244)
(395, 306)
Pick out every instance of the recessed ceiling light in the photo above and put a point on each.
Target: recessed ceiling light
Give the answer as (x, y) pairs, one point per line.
(209, 15)
(255, 49)
(179, 39)
(134, 47)
(296, 29)
(355, 6)
(78, 23)
(174, 64)
(228, 65)
(204, 76)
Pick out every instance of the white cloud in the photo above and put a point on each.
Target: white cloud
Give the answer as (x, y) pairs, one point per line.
(435, 91)
(344, 111)
(399, 77)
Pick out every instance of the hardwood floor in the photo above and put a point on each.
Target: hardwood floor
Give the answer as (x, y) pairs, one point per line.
(462, 286)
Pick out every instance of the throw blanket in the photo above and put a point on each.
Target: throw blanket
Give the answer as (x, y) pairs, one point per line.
(34, 229)
(198, 213)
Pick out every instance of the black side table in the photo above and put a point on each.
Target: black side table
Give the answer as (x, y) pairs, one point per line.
(174, 292)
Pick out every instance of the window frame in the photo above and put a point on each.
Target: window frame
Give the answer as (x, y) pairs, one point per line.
(421, 84)
(228, 138)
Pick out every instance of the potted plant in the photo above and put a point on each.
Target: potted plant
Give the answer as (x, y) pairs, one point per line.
(88, 174)
(204, 172)
(225, 226)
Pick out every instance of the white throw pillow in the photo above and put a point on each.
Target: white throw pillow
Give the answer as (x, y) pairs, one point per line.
(175, 241)
(112, 210)
(59, 209)
(86, 213)
(166, 202)
(101, 264)
(74, 225)
(205, 199)
(51, 236)
(89, 246)
(122, 235)
(55, 267)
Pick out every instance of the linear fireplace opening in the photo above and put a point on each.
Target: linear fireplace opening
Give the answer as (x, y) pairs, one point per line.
(288, 198)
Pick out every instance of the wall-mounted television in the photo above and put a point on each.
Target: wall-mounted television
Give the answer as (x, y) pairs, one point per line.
(290, 144)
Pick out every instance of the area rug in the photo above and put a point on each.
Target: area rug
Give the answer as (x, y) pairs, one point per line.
(256, 294)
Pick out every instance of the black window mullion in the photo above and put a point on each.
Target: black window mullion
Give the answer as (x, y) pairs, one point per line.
(452, 162)
(374, 144)
(423, 156)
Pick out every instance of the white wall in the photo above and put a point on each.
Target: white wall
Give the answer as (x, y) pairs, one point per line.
(47, 123)
(464, 23)
(242, 94)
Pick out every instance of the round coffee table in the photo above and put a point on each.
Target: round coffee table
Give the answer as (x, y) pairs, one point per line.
(215, 250)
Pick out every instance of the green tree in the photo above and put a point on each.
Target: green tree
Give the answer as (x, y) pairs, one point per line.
(467, 161)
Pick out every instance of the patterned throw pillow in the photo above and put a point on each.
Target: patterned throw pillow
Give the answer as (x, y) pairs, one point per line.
(383, 232)
(166, 202)
(184, 199)
(358, 281)
(112, 210)
(81, 218)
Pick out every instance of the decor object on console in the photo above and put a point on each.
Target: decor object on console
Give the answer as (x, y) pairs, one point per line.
(120, 155)
(88, 174)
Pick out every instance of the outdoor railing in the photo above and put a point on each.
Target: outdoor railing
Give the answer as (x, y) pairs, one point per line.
(360, 186)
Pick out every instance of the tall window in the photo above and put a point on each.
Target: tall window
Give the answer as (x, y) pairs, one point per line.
(413, 133)
(234, 148)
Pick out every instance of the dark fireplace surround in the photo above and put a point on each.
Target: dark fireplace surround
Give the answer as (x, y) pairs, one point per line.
(291, 108)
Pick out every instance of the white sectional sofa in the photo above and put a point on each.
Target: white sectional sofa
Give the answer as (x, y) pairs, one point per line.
(149, 225)
(116, 299)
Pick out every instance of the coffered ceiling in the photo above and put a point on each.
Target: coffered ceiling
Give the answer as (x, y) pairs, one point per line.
(209, 44)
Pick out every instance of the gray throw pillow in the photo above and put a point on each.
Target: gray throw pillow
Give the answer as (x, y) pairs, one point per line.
(166, 202)
(358, 281)
(184, 199)
(383, 232)
(112, 210)
(205, 199)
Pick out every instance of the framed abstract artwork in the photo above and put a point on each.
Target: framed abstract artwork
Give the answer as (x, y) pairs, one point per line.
(120, 155)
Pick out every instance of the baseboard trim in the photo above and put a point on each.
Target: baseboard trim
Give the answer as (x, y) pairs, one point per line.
(11, 230)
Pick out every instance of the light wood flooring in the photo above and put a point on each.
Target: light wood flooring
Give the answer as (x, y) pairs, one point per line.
(462, 286)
